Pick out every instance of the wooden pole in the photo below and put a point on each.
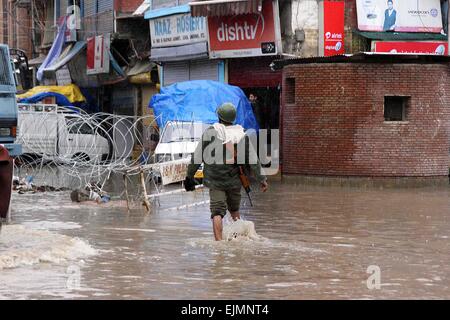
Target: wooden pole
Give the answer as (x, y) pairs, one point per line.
(125, 181)
(144, 190)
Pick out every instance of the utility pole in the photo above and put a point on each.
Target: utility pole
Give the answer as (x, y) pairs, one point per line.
(33, 30)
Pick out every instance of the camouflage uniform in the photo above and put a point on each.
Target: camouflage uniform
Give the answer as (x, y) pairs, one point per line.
(221, 175)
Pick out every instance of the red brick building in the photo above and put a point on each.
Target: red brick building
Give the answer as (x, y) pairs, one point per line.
(366, 116)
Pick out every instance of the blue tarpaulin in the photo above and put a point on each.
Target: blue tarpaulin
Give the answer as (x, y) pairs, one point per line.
(198, 100)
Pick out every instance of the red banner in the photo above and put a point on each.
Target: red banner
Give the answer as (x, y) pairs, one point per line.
(431, 47)
(333, 20)
(244, 35)
(98, 54)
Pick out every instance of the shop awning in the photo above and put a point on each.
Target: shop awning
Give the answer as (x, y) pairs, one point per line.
(142, 8)
(67, 57)
(399, 36)
(141, 66)
(186, 52)
(36, 61)
(217, 8)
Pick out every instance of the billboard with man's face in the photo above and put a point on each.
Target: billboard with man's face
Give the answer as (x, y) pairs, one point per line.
(399, 15)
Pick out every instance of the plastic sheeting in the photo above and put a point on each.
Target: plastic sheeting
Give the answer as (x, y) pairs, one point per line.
(55, 50)
(71, 92)
(198, 100)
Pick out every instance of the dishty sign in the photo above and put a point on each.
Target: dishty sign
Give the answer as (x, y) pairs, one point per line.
(333, 13)
(244, 35)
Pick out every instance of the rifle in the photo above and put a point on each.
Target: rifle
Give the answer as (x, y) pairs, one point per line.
(245, 183)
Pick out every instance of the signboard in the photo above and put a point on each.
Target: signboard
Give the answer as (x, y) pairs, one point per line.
(332, 31)
(98, 54)
(173, 171)
(246, 35)
(399, 15)
(431, 47)
(63, 76)
(176, 30)
(73, 23)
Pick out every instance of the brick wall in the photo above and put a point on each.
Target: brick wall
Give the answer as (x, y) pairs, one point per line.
(336, 126)
(127, 6)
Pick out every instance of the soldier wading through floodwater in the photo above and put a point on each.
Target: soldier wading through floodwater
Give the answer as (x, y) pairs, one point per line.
(228, 157)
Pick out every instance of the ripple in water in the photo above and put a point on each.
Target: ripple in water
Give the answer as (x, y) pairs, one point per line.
(22, 246)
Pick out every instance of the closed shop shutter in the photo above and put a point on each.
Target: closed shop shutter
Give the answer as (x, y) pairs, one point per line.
(63, 7)
(190, 70)
(105, 22)
(204, 70)
(175, 72)
(90, 7)
(105, 5)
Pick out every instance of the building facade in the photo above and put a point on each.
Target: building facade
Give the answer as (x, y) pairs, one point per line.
(366, 116)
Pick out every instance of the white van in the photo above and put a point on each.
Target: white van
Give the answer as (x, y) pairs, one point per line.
(59, 134)
(178, 140)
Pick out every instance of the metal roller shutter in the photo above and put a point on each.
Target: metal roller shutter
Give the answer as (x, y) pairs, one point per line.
(63, 7)
(175, 72)
(90, 7)
(204, 70)
(105, 5)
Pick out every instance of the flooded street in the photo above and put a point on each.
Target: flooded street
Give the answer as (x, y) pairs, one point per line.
(315, 243)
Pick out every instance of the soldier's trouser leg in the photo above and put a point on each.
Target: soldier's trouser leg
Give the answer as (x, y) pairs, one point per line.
(220, 201)
(218, 207)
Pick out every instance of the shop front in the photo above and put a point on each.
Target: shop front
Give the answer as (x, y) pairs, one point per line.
(179, 44)
(249, 41)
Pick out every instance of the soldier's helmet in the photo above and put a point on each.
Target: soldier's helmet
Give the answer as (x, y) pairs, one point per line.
(227, 112)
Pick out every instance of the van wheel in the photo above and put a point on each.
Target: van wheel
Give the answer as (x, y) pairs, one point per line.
(81, 157)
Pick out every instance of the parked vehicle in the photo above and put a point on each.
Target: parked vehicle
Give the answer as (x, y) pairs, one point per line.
(8, 130)
(59, 134)
(179, 140)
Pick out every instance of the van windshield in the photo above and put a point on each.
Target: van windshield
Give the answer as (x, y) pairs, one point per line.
(78, 126)
(183, 131)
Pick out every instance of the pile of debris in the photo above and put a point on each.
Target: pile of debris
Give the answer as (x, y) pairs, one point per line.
(26, 185)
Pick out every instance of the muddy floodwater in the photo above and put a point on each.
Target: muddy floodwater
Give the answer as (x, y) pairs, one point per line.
(314, 243)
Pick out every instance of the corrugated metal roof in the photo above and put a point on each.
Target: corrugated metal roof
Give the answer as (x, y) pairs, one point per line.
(364, 57)
(217, 8)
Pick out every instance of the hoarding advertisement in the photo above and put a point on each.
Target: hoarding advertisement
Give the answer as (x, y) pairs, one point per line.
(245, 35)
(176, 30)
(399, 15)
(333, 28)
(419, 47)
